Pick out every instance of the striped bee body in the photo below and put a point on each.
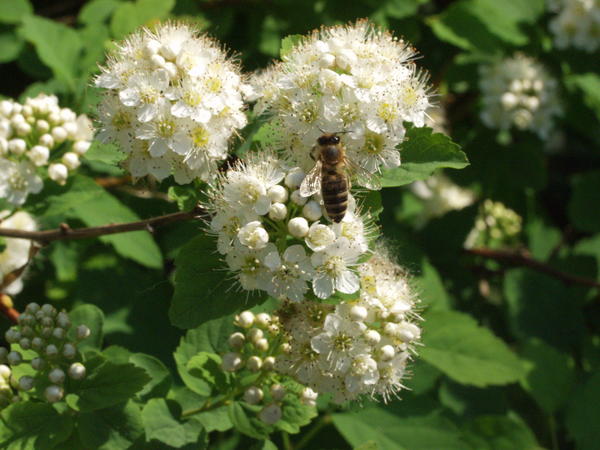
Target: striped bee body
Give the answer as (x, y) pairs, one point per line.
(334, 190)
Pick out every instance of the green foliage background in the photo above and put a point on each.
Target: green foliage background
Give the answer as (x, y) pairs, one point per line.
(511, 355)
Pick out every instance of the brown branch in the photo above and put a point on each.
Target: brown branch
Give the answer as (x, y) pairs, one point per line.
(523, 258)
(65, 232)
(7, 310)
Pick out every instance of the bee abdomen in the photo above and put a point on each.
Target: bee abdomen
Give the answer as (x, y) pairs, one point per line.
(334, 190)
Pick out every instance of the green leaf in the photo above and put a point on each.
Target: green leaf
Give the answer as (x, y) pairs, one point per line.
(13, 11)
(541, 306)
(58, 46)
(97, 11)
(203, 289)
(589, 84)
(422, 378)
(92, 317)
(422, 153)
(499, 433)
(399, 9)
(466, 352)
(64, 256)
(105, 153)
(542, 239)
(108, 384)
(113, 428)
(29, 425)
(392, 432)
(583, 414)
(583, 206)
(215, 419)
(160, 424)
(187, 197)
(160, 381)
(246, 422)
(207, 367)
(129, 16)
(288, 43)
(10, 46)
(295, 413)
(550, 375)
(209, 337)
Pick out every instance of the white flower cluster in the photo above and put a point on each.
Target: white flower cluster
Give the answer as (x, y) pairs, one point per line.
(358, 347)
(14, 253)
(173, 100)
(276, 240)
(7, 395)
(44, 330)
(495, 226)
(38, 133)
(354, 79)
(518, 91)
(577, 24)
(440, 195)
(253, 350)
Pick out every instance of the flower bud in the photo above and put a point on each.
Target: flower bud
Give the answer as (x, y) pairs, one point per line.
(46, 140)
(3, 354)
(278, 194)
(312, 211)
(298, 227)
(268, 364)
(277, 211)
(309, 397)
(82, 332)
(63, 321)
(262, 345)
(245, 319)
(77, 371)
(58, 173)
(270, 414)
(408, 332)
(51, 350)
(5, 371)
(56, 376)
(81, 147)
(236, 340)
(263, 320)
(26, 383)
(387, 352)
(12, 335)
(285, 348)
(37, 343)
(277, 392)
(47, 322)
(59, 134)
(69, 351)
(294, 179)
(17, 146)
(32, 308)
(58, 333)
(253, 395)
(39, 155)
(358, 313)
(42, 126)
(232, 362)
(297, 198)
(254, 364)
(25, 343)
(38, 363)
(54, 393)
(71, 160)
(254, 334)
(22, 128)
(253, 235)
(372, 337)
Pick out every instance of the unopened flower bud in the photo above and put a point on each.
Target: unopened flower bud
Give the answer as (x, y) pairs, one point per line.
(69, 351)
(232, 361)
(39, 155)
(59, 134)
(372, 337)
(245, 319)
(51, 350)
(254, 364)
(56, 376)
(253, 235)
(25, 343)
(3, 354)
(278, 194)
(408, 332)
(270, 414)
(26, 383)
(46, 140)
(32, 308)
(298, 227)
(81, 147)
(17, 146)
(309, 397)
(71, 160)
(54, 393)
(312, 211)
(253, 395)
(58, 333)
(38, 363)
(12, 335)
(387, 352)
(278, 211)
(358, 313)
(58, 172)
(5, 371)
(277, 392)
(262, 345)
(47, 322)
(46, 332)
(77, 371)
(82, 332)
(42, 126)
(236, 340)
(294, 179)
(268, 364)
(14, 358)
(63, 321)
(297, 198)
(285, 348)
(37, 343)
(254, 334)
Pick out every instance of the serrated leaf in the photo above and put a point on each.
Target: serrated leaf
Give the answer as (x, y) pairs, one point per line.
(392, 432)
(29, 425)
(499, 433)
(107, 385)
(583, 414)
(583, 206)
(58, 46)
(209, 337)
(550, 375)
(131, 15)
(215, 419)
(203, 289)
(13, 11)
(92, 317)
(466, 352)
(246, 422)
(422, 153)
(207, 367)
(160, 424)
(160, 381)
(112, 428)
(288, 43)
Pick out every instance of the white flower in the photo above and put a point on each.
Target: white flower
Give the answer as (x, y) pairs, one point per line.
(58, 172)
(576, 24)
(17, 181)
(253, 235)
(354, 78)
(332, 267)
(289, 274)
(178, 91)
(249, 266)
(519, 92)
(339, 343)
(319, 237)
(16, 251)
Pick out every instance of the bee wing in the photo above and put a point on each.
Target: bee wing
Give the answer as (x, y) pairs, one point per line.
(312, 182)
(362, 176)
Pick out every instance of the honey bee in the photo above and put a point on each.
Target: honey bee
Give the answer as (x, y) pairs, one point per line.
(331, 175)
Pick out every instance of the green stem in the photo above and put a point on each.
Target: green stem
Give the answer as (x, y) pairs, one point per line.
(310, 434)
(287, 445)
(552, 426)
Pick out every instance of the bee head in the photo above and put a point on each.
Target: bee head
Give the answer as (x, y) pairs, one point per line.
(328, 139)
